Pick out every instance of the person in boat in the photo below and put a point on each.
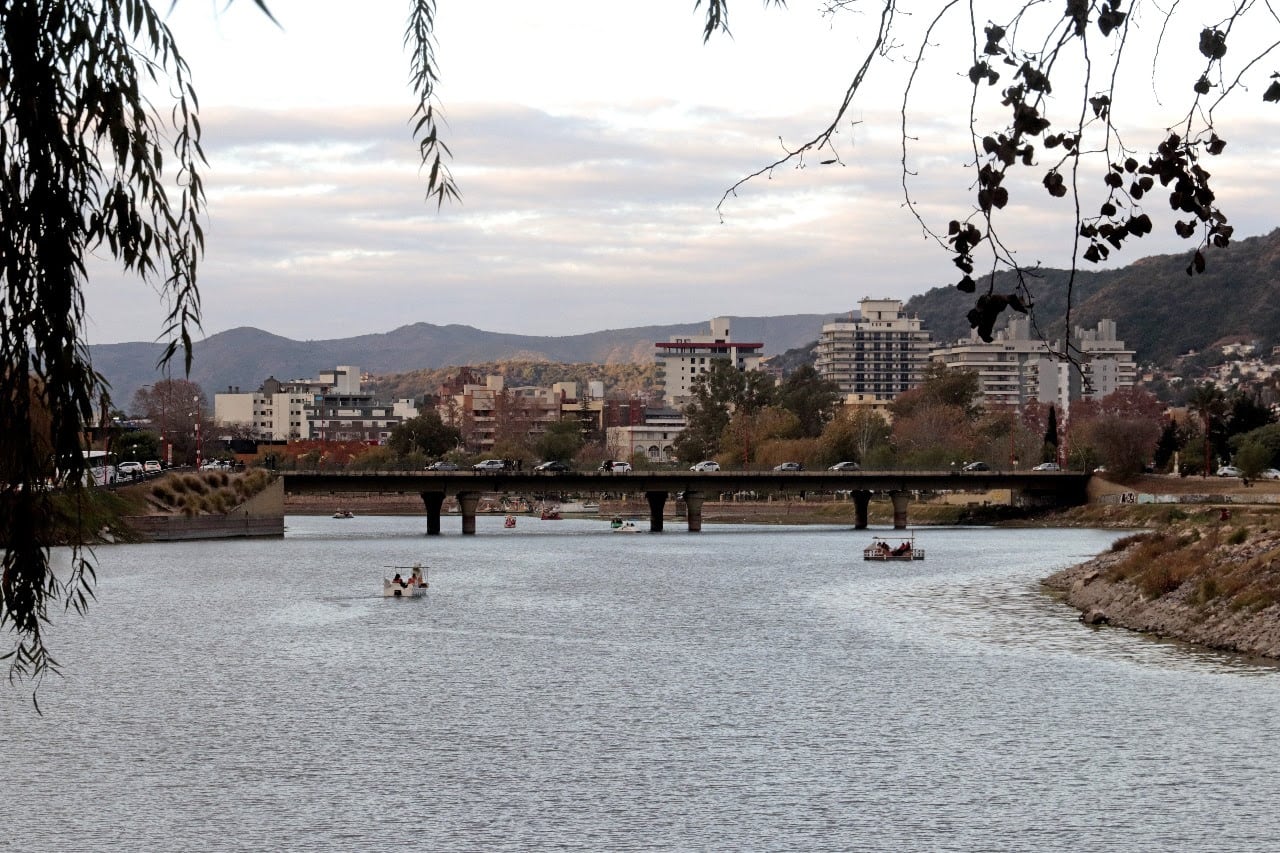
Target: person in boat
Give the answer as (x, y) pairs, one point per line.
(399, 580)
(883, 548)
(902, 550)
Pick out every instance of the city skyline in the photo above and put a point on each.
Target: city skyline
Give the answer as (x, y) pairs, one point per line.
(590, 167)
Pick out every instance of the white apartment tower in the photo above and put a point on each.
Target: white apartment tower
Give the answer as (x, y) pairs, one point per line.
(877, 356)
(683, 360)
(1016, 367)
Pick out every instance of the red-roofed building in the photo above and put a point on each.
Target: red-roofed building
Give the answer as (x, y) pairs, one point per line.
(683, 360)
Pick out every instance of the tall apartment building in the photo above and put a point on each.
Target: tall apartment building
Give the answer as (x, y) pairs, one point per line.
(683, 360)
(874, 358)
(1016, 367)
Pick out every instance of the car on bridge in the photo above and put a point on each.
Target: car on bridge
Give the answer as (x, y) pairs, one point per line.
(490, 465)
(442, 465)
(789, 466)
(845, 466)
(705, 465)
(976, 466)
(554, 466)
(1047, 466)
(615, 467)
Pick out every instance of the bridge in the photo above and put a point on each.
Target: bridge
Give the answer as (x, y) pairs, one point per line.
(1059, 488)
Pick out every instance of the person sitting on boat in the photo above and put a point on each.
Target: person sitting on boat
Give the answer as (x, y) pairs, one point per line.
(399, 580)
(883, 548)
(902, 550)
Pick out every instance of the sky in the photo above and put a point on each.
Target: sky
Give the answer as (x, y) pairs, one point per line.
(592, 141)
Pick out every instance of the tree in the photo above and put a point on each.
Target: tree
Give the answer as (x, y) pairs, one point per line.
(715, 396)
(173, 407)
(426, 434)
(561, 440)
(852, 436)
(1051, 436)
(810, 398)
(92, 165)
(1208, 402)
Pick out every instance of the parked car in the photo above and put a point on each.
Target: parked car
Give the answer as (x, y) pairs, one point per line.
(1047, 466)
(706, 465)
(553, 465)
(976, 466)
(1271, 474)
(1228, 471)
(442, 465)
(490, 465)
(615, 467)
(151, 466)
(132, 470)
(845, 466)
(216, 465)
(789, 466)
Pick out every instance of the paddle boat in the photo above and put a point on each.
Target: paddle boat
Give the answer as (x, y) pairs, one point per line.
(627, 526)
(509, 521)
(893, 550)
(401, 587)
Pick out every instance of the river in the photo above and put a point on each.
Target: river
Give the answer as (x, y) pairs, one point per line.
(561, 686)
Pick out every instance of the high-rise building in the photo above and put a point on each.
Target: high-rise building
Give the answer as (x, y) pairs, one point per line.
(1016, 367)
(683, 360)
(874, 358)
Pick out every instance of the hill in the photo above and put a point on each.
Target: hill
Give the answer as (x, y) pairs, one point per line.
(1160, 311)
(245, 356)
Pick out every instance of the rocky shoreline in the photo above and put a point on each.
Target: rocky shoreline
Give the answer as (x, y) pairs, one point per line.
(1209, 577)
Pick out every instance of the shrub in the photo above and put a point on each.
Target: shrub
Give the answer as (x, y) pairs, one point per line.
(1238, 536)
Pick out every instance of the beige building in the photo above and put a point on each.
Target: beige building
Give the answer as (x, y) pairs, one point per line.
(683, 360)
(874, 358)
(1016, 367)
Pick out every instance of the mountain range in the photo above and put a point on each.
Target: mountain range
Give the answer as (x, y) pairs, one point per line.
(245, 356)
(1160, 312)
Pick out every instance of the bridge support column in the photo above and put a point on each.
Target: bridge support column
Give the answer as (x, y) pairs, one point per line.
(467, 503)
(861, 500)
(899, 499)
(433, 501)
(693, 509)
(657, 500)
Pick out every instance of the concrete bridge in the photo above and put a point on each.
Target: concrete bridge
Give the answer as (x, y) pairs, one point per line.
(1048, 487)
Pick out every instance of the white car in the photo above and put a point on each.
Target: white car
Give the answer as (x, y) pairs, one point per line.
(1228, 471)
(706, 465)
(489, 465)
(151, 466)
(620, 467)
(1047, 466)
(129, 469)
(1271, 474)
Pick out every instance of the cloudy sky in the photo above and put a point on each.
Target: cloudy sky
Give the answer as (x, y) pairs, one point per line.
(592, 141)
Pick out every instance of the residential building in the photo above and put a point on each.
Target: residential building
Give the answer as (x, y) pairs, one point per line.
(875, 357)
(655, 437)
(1017, 366)
(330, 406)
(683, 360)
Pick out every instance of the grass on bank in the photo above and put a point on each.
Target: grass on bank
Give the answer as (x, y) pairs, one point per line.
(1207, 560)
(205, 492)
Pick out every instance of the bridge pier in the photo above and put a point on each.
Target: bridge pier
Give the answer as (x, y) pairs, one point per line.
(467, 503)
(433, 501)
(693, 509)
(861, 500)
(899, 499)
(657, 500)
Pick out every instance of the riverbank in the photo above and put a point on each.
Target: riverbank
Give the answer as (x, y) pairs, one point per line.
(1208, 575)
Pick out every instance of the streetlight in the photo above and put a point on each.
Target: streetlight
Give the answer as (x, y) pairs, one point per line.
(196, 415)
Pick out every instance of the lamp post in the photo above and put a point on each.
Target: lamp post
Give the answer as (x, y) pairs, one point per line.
(196, 414)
